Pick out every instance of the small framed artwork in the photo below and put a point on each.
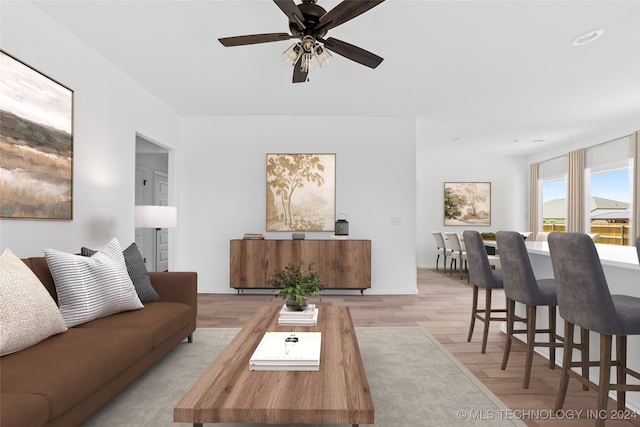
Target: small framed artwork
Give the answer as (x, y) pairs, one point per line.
(301, 192)
(467, 203)
(36, 143)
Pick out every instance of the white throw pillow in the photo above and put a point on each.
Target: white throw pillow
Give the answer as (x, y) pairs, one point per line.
(92, 287)
(28, 314)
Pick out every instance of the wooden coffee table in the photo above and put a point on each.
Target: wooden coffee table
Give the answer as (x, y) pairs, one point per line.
(228, 392)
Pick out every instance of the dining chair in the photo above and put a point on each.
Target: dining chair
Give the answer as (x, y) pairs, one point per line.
(541, 236)
(521, 286)
(527, 235)
(584, 300)
(441, 248)
(458, 252)
(481, 275)
(594, 236)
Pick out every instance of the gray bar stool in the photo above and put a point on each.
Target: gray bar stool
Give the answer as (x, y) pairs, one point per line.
(521, 286)
(584, 300)
(481, 275)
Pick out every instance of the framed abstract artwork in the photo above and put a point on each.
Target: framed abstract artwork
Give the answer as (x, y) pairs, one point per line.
(36, 143)
(467, 203)
(301, 192)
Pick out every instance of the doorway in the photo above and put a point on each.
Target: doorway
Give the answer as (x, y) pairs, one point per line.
(152, 188)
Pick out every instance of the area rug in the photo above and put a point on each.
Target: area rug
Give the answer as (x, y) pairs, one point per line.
(414, 381)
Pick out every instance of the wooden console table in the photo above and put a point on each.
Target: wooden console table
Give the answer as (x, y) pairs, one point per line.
(341, 264)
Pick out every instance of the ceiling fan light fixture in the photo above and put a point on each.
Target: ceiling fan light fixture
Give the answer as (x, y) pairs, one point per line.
(308, 43)
(306, 60)
(292, 54)
(322, 55)
(306, 47)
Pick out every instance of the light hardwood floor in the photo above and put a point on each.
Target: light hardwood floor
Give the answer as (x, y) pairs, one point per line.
(442, 307)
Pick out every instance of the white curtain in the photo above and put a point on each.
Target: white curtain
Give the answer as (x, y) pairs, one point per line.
(636, 187)
(534, 208)
(575, 192)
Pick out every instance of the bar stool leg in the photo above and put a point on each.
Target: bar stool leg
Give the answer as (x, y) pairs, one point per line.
(566, 362)
(605, 377)
(511, 307)
(584, 341)
(531, 338)
(487, 317)
(552, 337)
(474, 308)
(621, 357)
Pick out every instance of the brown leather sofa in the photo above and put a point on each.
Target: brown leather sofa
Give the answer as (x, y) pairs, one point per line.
(64, 379)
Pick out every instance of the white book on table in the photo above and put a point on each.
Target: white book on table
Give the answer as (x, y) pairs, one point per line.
(313, 321)
(307, 313)
(284, 367)
(272, 350)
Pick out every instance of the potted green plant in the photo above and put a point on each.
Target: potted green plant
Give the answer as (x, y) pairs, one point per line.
(296, 285)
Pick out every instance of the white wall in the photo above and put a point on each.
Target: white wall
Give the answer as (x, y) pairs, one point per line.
(109, 109)
(217, 171)
(508, 175)
(223, 192)
(584, 142)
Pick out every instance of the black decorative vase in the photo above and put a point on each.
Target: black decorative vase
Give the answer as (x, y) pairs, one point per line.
(294, 306)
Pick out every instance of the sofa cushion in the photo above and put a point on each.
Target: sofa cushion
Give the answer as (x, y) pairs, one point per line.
(90, 288)
(66, 368)
(137, 272)
(22, 409)
(28, 314)
(161, 319)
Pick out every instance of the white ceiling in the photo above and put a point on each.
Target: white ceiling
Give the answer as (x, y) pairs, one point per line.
(477, 72)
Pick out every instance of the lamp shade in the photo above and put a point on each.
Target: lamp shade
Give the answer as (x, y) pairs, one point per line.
(156, 216)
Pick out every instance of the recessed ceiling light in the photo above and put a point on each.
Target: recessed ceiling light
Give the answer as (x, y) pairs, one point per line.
(587, 37)
(528, 141)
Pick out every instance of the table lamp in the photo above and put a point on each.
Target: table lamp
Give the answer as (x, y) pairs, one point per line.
(156, 216)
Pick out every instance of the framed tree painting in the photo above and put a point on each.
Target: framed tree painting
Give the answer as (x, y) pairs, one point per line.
(467, 203)
(36, 143)
(301, 192)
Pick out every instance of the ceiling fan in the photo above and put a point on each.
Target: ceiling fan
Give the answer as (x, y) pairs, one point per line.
(310, 23)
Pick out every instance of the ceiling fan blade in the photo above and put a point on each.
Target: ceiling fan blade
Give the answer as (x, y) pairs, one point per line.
(253, 39)
(299, 76)
(346, 11)
(291, 10)
(352, 52)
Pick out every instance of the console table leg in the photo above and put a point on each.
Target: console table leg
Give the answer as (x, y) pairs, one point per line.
(197, 424)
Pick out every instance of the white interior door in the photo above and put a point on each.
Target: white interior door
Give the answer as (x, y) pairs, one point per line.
(141, 179)
(161, 198)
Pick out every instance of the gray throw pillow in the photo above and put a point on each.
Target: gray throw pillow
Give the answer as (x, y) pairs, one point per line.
(137, 272)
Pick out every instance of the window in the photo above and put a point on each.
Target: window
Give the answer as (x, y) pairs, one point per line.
(609, 191)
